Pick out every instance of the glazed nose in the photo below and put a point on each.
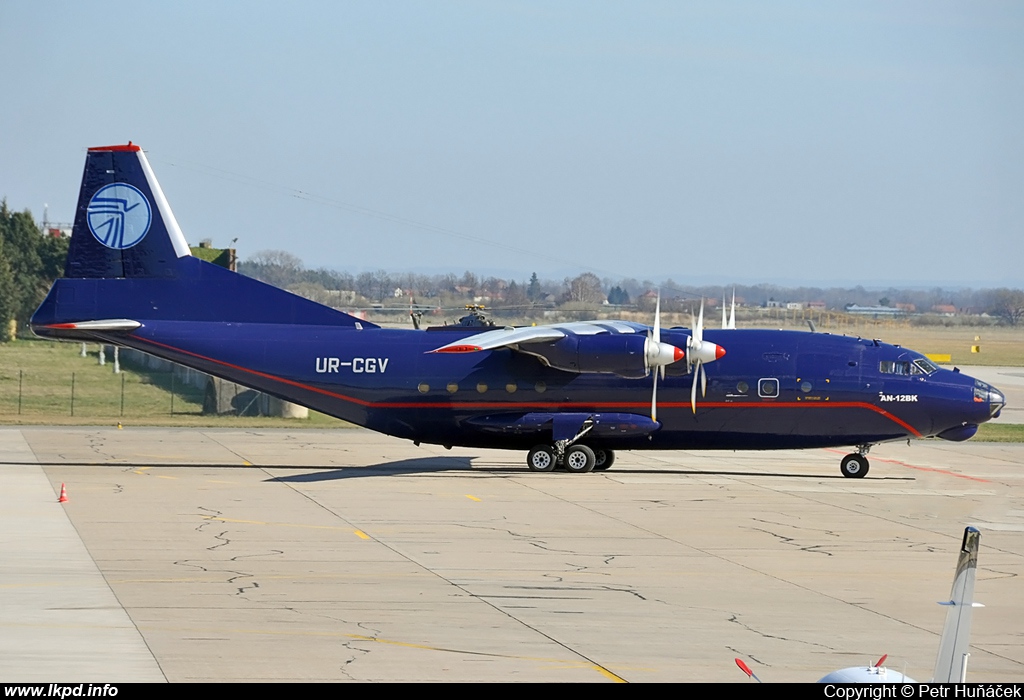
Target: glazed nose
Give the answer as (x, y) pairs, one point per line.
(986, 393)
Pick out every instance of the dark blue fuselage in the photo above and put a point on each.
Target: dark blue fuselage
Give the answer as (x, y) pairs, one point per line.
(773, 389)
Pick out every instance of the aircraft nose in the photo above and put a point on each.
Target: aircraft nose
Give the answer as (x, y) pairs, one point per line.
(986, 393)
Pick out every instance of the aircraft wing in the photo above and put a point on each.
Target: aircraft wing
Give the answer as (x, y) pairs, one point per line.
(513, 337)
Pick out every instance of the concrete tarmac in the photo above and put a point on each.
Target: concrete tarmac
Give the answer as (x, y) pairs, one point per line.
(293, 555)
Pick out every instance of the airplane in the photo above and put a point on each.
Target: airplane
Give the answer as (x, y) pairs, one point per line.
(568, 394)
(953, 654)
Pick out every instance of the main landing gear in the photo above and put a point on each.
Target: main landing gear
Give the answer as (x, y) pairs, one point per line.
(576, 459)
(856, 465)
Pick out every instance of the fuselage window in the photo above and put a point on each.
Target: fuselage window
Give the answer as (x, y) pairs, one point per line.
(768, 388)
(481, 388)
(742, 387)
(541, 387)
(452, 388)
(806, 387)
(926, 366)
(511, 387)
(424, 388)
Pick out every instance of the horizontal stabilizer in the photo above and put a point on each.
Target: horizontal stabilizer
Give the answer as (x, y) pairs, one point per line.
(112, 324)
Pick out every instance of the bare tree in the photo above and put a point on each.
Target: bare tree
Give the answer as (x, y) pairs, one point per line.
(585, 288)
(1009, 305)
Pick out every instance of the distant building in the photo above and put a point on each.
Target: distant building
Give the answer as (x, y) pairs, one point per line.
(874, 310)
(224, 257)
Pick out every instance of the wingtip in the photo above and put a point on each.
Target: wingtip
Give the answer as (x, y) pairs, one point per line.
(458, 349)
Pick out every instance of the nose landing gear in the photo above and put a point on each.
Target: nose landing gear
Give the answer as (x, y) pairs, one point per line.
(856, 465)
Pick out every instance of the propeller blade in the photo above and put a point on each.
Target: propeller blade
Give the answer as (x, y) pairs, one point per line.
(881, 660)
(732, 313)
(647, 353)
(654, 399)
(703, 380)
(693, 393)
(725, 322)
(657, 319)
(698, 332)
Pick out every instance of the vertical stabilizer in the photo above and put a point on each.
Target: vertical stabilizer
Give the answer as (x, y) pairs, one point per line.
(123, 224)
(129, 265)
(951, 664)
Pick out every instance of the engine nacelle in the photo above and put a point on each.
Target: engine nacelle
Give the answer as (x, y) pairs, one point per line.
(619, 354)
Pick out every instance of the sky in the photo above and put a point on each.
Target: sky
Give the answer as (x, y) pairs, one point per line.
(839, 143)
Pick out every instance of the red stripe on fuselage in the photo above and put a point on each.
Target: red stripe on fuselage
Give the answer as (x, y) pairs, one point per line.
(547, 404)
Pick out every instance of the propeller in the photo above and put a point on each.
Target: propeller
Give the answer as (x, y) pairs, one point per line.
(881, 660)
(729, 325)
(699, 352)
(657, 355)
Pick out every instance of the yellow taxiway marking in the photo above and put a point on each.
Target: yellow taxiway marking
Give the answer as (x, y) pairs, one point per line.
(608, 674)
(141, 470)
(472, 498)
(161, 476)
(361, 535)
(246, 462)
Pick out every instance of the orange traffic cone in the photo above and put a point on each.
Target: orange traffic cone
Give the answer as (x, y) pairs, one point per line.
(63, 494)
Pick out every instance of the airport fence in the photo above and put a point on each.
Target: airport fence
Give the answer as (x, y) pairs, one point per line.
(89, 394)
(124, 383)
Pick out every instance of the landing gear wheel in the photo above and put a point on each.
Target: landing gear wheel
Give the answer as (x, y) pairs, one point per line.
(579, 459)
(541, 459)
(603, 459)
(854, 466)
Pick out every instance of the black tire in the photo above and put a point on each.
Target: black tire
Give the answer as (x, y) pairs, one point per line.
(854, 466)
(579, 459)
(541, 459)
(603, 459)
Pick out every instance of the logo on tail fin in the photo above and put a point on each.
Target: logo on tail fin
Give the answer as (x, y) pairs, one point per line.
(119, 215)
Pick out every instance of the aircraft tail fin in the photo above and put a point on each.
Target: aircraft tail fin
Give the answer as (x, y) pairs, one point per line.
(128, 262)
(951, 664)
(123, 224)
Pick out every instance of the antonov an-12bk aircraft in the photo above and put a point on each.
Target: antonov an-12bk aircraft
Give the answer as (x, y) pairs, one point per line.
(568, 394)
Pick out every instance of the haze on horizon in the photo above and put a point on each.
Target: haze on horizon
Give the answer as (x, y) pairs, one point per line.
(874, 143)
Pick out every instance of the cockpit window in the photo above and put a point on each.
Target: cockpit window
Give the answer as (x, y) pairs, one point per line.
(905, 367)
(890, 367)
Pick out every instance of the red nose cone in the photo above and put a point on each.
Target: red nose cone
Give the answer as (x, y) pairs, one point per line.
(719, 352)
(678, 355)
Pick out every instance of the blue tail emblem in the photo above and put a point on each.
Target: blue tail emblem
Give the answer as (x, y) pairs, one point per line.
(119, 216)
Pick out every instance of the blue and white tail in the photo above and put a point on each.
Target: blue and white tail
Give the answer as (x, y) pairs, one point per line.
(123, 224)
(129, 262)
